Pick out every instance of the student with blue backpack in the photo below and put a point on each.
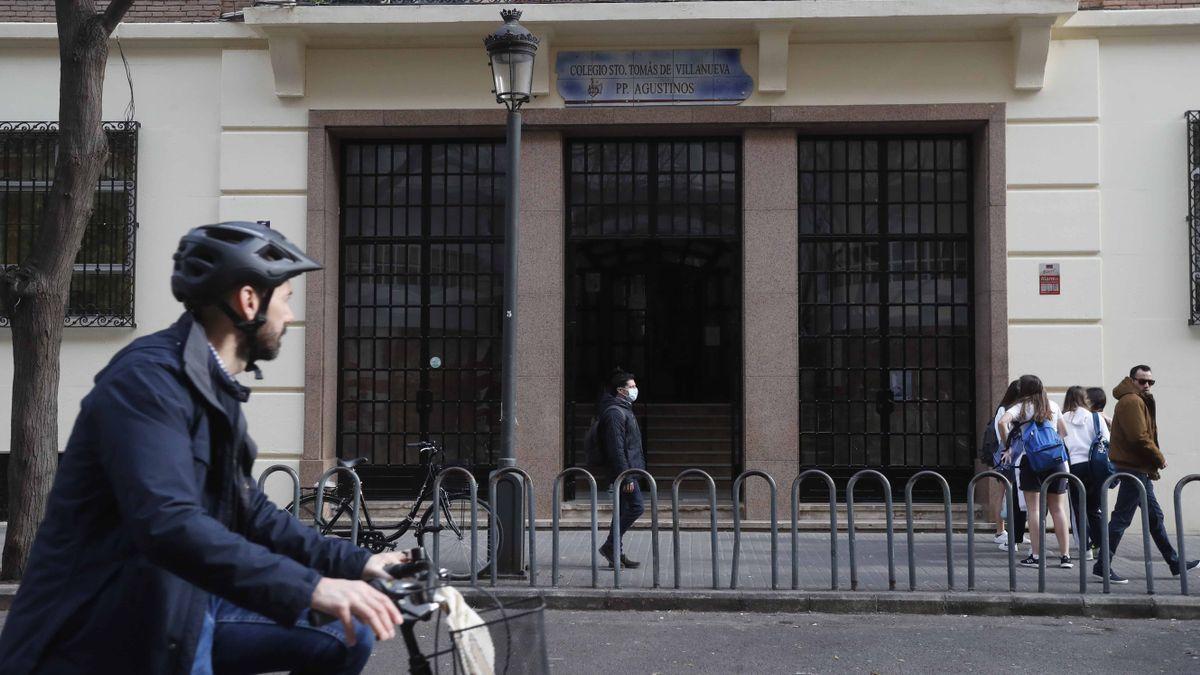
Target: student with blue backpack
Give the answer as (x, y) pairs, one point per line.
(1087, 445)
(1036, 428)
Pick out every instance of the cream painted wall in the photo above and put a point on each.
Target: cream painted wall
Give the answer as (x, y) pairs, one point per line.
(1146, 86)
(1094, 171)
(175, 91)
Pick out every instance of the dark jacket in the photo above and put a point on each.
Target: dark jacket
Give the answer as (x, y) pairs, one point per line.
(140, 529)
(1133, 440)
(619, 435)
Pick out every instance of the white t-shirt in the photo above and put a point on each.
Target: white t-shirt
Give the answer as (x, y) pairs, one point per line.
(1081, 432)
(1023, 412)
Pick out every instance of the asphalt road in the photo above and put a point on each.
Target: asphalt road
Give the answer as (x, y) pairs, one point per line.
(688, 642)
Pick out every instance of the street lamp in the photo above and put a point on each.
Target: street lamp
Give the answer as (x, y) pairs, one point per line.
(511, 49)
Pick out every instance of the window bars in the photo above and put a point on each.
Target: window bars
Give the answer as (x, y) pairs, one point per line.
(101, 292)
(1193, 217)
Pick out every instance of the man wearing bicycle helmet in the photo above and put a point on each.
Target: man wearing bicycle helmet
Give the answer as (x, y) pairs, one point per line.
(158, 553)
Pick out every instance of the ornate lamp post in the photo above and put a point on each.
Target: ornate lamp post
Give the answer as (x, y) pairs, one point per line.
(511, 49)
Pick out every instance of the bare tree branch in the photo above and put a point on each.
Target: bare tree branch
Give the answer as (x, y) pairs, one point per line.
(113, 15)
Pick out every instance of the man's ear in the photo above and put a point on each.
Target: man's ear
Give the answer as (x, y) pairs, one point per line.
(246, 302)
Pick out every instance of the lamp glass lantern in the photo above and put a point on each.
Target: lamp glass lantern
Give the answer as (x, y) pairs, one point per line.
(511, 49)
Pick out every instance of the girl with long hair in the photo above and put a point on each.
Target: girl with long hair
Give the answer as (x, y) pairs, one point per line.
(1033, 406)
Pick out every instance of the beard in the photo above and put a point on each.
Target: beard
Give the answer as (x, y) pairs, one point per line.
(264, 346)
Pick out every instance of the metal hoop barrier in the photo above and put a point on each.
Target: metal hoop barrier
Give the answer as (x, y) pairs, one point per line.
(356, 485)
(887, 499)
(1183, 583)
(712, 505)
(908, 508)
(1010, 498)
(557, 499)
(437, 519)
(617, 520)
(737, 527)
(833, 566)
(274, 468)
(527, 491)
(1105, 554)
(1043, 509)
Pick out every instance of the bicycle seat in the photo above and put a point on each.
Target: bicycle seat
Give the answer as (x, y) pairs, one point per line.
(351, 463)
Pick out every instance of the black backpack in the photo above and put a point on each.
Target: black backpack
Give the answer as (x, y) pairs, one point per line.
(989, 447)
(597, 459)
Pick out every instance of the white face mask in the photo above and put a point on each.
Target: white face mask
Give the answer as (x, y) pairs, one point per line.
(632, 394)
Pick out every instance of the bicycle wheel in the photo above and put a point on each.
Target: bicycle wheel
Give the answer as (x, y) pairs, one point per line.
(454, 539)
(338, 525)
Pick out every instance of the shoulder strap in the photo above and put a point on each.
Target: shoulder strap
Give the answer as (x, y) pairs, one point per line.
(1096, 422)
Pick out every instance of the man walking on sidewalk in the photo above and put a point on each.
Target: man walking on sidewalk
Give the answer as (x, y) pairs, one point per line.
(1134, 449)
(620, 440)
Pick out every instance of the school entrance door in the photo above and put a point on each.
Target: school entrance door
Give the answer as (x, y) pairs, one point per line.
(654, 286)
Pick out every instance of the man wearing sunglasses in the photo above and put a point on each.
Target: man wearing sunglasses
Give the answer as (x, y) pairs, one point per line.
(1134, 449)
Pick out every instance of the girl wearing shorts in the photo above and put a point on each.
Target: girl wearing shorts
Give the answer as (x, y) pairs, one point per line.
(1034, 406)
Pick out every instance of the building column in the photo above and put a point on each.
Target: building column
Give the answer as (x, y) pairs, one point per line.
(540, 319)
(770, 316)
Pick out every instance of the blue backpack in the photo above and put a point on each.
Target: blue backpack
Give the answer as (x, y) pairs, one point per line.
(1044, 448)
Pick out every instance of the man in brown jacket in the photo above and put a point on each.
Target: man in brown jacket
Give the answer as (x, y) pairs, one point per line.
(1134, 449)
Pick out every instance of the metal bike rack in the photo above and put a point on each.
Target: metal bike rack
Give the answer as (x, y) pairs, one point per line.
(1043, 509)
(887, 498)
(833, 567)
(319, 507)
(437, 519)
(1105, 554)
(1183, 583)
(557, 500)
(712, 504)
(275, 468)
(617, 519)
(737, 527)
(1010, 498)
(908, 507)
(527, 488)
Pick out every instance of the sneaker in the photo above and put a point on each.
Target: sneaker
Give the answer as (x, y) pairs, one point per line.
(1065, 562)
(1001, 540)
(1093, 553)
(629, 564)
(1192, 564)
(1031, 561)
(1113, 577)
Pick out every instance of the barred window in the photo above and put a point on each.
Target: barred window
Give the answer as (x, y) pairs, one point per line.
(1193, 217)
(101, 292)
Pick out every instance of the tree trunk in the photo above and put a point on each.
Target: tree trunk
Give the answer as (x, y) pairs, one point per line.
(35, 293)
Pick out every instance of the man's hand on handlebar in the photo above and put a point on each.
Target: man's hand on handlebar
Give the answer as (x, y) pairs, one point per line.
(344, 599)
(377, 564)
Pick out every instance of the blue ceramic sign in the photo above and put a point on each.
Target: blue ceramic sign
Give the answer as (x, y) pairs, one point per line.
(653, 77)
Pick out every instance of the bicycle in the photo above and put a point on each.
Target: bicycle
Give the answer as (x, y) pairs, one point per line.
(515, 633)
(453, 535)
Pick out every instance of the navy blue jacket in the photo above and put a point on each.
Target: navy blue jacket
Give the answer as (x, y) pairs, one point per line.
(140, 527)
(620, 435)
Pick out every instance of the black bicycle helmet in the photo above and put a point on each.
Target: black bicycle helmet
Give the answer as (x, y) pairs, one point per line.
(213, 260)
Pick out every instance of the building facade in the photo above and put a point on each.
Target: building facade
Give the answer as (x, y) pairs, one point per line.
(821, 233)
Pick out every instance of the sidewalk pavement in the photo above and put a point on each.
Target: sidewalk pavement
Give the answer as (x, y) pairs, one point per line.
(932, 593)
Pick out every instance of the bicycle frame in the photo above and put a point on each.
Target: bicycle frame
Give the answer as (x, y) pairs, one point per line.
(402, 527)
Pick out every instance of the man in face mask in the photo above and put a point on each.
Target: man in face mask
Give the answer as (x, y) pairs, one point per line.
(621, 440)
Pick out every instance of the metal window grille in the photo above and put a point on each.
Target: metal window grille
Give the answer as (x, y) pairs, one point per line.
(1193, 154)
(887, 371)
(102, 291)
(422, 277)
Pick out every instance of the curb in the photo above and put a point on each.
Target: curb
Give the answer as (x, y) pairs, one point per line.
(849, 602)
(1186, 608)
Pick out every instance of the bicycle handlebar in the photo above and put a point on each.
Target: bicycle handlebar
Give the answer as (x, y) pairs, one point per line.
(408, 588)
